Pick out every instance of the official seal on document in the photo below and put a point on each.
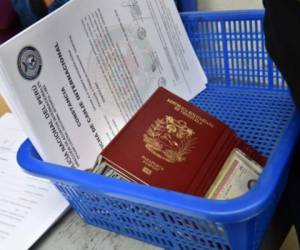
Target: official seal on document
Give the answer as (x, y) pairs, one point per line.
(29, 63)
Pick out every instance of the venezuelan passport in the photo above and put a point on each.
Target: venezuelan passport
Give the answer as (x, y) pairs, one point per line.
(172, 144)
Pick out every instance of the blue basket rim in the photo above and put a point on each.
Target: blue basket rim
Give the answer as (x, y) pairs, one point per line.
(230, 15)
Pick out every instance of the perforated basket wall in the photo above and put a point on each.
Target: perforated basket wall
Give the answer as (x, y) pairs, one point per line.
(246, 91)
(160, 227)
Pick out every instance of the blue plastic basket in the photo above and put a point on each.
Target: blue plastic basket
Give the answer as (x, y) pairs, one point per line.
(247, 92)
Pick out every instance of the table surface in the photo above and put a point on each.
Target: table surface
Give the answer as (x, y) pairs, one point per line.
(71, 233)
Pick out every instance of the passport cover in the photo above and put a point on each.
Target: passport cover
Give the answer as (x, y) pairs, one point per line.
(172, 144)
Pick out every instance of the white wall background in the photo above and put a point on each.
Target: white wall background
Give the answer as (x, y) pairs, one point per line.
(229, 4)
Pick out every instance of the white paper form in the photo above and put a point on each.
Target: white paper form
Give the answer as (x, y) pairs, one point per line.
(82, 72)
(28, 205)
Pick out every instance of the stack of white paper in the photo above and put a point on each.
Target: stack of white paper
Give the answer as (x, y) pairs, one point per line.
(76, 77)
(28, 205)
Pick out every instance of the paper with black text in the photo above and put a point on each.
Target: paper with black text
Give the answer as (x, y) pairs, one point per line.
(28, 205)
(77, 76)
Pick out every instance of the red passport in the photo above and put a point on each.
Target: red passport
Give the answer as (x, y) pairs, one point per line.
(172, 144)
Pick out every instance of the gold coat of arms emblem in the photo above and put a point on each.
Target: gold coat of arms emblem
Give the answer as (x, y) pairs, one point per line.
(170, 139)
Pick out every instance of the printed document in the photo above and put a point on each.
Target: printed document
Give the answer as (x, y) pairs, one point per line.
(28, 205)
(75, 78)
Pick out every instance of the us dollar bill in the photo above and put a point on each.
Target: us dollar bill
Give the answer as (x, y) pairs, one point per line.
(104, 168)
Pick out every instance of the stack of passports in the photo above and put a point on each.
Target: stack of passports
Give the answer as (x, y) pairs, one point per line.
(172, 144)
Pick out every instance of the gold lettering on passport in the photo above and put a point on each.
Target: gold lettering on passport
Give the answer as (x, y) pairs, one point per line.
(147, 171)
(189, 114)
(151, 164)
(170, 139)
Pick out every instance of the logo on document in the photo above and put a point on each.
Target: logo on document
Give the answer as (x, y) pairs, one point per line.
(29, 63)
